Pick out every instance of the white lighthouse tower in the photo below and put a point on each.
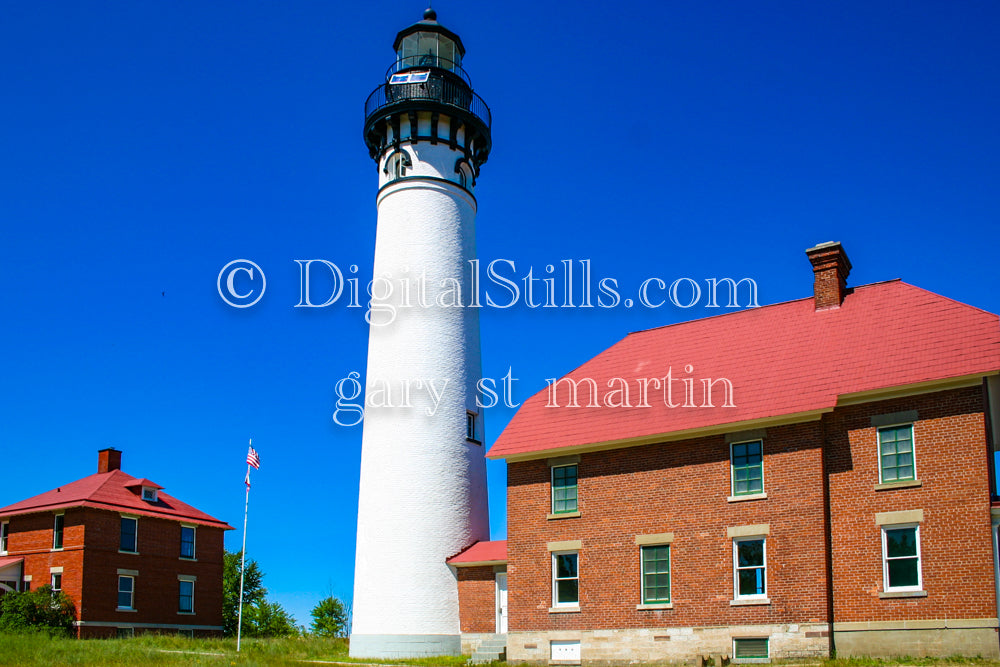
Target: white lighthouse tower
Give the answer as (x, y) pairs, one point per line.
(423, 471)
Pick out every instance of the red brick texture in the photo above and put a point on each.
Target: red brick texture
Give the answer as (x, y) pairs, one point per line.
(682, 488)
(955, 539)
(477, 598)
(90, 559)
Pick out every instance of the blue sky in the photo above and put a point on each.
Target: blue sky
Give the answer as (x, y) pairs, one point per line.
(145, 145)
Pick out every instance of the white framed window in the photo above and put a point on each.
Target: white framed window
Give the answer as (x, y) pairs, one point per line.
(185, 598)
(126, 591)
(896, 455)
(149, 494)
(746, 463)
(750, 568)
(565, 579)
(128, 535)
(4, 535)
(58, 526)
(55, 582)
(901, 567)
(188, 536)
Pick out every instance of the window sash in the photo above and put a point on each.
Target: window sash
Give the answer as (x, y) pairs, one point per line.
(187, 542)
(55, 582)
(57, 531)
(126, 591)
(565, 579)
(750, 568)
(129, 530)
(747, 465)
(655, 574)
(185, 601)
(4, 535)
(564, 489)
(901, 569)
(896, 455)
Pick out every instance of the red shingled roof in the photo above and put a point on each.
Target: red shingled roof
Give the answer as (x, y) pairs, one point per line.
(110, 491)
(782, 359)
(481, 553)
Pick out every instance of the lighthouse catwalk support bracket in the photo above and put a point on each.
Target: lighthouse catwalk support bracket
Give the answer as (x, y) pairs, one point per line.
(423, 493)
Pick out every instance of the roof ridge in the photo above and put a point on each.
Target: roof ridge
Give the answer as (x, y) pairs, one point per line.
(759, 308)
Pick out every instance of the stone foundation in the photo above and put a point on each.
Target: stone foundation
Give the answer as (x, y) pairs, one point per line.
(934, 638)
(675, 645)
(472, 640)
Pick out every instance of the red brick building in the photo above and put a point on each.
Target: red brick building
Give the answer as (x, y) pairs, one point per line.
(131, 557)
(778, 482)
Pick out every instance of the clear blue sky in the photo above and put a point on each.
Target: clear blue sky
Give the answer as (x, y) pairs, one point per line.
(145, 145)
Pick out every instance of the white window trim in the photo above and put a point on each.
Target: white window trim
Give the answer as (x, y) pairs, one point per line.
(732, 476)
(4, 537)
(885, 561)
(118, 591)
(63, 532)
(135, 518)
(555, 601)
(913, 446)
(192, 581)
(552, 488)
(736, 568)
(152, 490)
(194, 544)
(52, 575)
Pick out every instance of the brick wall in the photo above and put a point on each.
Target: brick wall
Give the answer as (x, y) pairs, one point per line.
(680, 488)
(90, 574)
(956, 544)
(477, 598)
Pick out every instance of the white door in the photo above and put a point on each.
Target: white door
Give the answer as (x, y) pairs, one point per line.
(502, 603)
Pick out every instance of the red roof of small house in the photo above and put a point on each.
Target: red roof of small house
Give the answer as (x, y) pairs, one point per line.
(783, 360)
(143, 482)
(13, 560)
(481, 553)
(111, 491)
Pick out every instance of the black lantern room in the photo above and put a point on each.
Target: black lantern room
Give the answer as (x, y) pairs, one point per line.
(427, 76)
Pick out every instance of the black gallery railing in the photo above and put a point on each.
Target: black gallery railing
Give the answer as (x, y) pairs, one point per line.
(437, 89)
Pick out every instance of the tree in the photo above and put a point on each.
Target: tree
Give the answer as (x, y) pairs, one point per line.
(268, 619)
(37, 609)
(330, 618)
(253, 591)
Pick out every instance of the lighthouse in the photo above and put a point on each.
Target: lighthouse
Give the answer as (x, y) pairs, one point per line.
(422, 495)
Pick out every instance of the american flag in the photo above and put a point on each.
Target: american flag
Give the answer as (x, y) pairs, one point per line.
(253, 458)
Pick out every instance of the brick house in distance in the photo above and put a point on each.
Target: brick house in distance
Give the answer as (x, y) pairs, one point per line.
(131, 557)
(778, 482)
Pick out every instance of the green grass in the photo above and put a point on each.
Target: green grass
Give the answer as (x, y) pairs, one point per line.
(42, 650)
(39, 649)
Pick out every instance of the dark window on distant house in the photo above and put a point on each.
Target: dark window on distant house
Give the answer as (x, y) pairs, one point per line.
(748, 468)
(185, 603)
(149, 493)
(55, 582)
(57, 531)
(895, 448)
(124, 633)
(187, 541)
(126, 591)
(128, 534)
(564, 491)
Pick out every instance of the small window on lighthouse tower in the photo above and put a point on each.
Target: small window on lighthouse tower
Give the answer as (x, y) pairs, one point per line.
(472, 427)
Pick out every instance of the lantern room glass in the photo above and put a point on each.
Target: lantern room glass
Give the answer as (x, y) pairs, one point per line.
(428, 49)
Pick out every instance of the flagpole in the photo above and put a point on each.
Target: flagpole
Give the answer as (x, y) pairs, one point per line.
(243, 559)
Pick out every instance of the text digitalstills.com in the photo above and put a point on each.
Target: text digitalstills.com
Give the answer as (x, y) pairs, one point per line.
(498, 284)
(680, 390)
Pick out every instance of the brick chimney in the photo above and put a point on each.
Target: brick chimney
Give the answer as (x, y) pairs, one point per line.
(109, 459)
(830, 268)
